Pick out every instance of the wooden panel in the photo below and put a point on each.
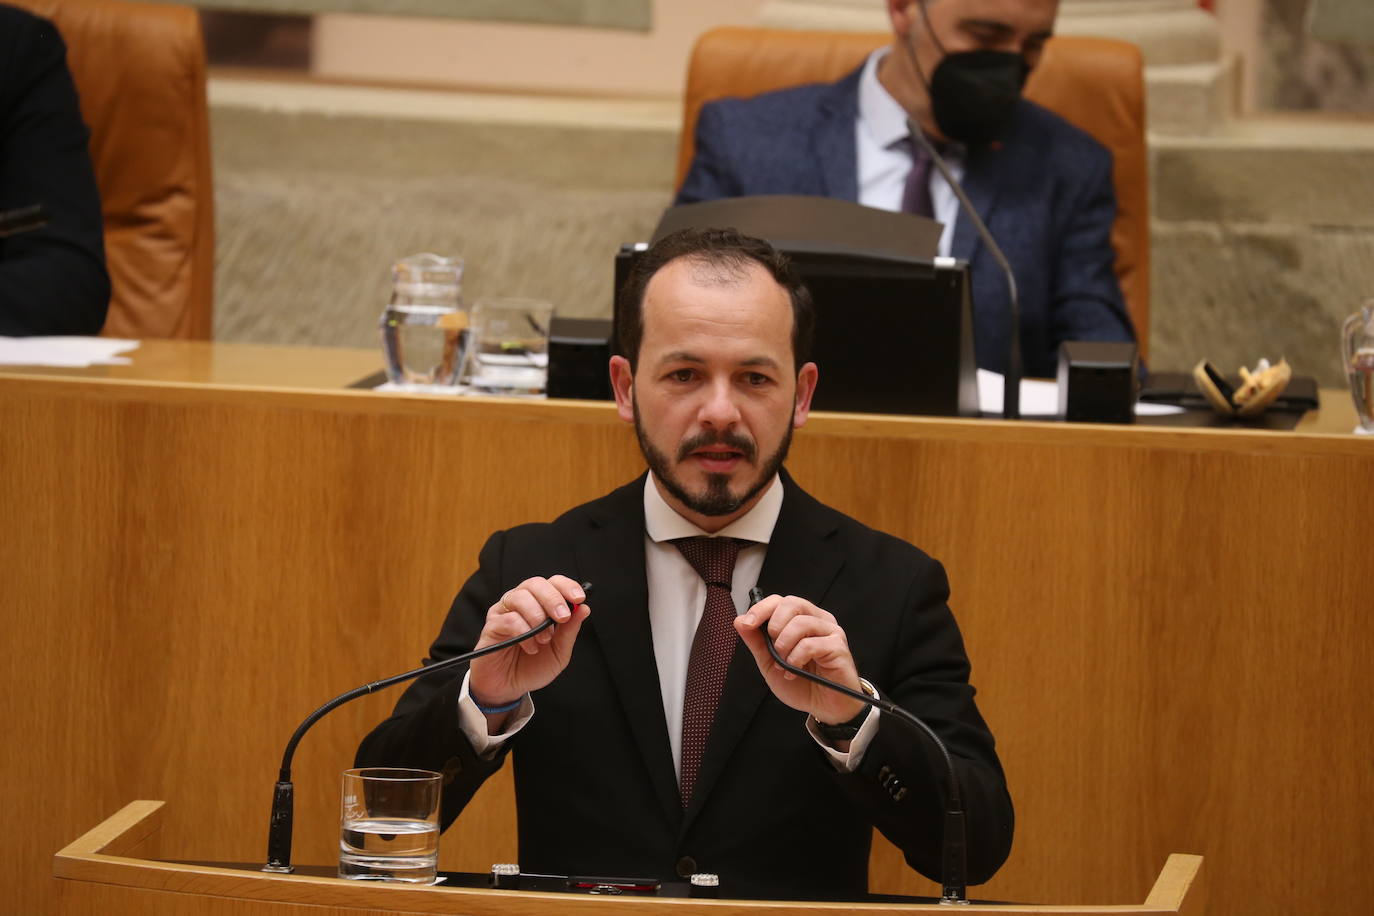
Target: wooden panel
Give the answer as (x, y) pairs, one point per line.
(1168, 627)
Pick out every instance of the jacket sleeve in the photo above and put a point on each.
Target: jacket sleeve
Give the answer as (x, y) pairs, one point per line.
(902, 780)
(52, 279)
(423, 731)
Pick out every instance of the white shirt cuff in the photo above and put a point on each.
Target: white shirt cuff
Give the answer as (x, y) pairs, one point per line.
(473, 722)
(848, 761)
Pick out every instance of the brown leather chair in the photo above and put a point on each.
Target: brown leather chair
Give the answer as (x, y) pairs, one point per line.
(140, 71)
(1095, 83)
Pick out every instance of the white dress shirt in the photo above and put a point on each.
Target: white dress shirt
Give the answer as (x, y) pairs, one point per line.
(883, 169)
(677, 598)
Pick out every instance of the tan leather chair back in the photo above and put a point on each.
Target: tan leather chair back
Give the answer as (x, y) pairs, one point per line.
(1096, 84)
(140, 71)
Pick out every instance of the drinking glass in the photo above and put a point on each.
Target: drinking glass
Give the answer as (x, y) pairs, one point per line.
(508, 347)
(1357, 348)
(389, 827)
(424, 327)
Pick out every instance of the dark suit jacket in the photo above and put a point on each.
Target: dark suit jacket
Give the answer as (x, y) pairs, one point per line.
(1046, 195)
(52, 279)
(594, 776)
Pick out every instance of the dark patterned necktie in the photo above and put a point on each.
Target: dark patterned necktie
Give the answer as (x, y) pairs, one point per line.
(714, 643)
(916, 195)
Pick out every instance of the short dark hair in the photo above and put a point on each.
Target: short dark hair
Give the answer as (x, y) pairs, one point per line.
(729, 250)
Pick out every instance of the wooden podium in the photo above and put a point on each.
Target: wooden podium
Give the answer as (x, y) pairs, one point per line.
(114, 869)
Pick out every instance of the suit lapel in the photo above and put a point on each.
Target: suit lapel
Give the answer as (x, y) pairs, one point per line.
(981, 172)
(832, 139)
(987, 170)
(797, 563)
(612, 558)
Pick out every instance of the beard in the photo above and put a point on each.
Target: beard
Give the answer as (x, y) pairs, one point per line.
(717, 500)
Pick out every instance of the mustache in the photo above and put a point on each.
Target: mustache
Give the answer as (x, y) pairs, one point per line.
(745, 447)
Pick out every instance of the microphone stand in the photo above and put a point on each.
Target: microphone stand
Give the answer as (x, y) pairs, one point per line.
(953, 883)
(283, 796)
(1011, 382)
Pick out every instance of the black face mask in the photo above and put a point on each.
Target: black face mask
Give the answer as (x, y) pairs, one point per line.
(974, 93)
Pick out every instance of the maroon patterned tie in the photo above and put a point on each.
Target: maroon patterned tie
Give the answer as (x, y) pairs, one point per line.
(714, 643)
(916, 195)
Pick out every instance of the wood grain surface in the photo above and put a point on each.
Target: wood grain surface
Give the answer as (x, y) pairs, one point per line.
(1169, 628)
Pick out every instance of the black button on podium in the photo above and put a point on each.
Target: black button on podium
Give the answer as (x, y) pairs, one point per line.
(686, 867)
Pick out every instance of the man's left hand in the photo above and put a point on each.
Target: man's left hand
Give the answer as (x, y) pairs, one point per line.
(809, 638)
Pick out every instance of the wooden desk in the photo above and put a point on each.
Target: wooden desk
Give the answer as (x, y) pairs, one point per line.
(1169, 628)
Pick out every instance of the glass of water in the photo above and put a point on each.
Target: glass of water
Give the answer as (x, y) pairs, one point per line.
(389, 827)
(1357, 349)
(508, 347)
(424, 327)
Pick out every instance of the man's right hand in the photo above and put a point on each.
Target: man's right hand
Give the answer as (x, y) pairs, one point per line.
(504, 677)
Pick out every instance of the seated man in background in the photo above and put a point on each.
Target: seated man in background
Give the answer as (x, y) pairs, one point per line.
(654, 737)
(955, 67)
(53, 278)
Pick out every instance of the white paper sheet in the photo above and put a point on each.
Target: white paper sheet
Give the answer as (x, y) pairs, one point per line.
(1040, 398)
(65, 352)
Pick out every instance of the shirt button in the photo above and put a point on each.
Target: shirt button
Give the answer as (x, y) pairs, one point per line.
(686, 867)
(452, 767)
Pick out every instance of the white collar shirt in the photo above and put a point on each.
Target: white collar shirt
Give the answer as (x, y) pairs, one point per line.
(884, 163)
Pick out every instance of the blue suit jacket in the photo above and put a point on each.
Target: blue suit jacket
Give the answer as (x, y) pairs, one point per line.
(1045, 194)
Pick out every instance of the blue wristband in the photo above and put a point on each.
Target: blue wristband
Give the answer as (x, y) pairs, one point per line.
(494, 710)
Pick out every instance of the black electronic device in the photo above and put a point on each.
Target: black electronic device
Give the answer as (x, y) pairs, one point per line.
(579, 357)
(894, 333)
(1097, 381)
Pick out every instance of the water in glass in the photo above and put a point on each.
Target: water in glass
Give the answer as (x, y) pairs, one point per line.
(424, 327)
(509, 347)
(1357, 350)
(389, 825)
(389, 849)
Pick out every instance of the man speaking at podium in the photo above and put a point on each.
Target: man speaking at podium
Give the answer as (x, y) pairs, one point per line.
(652, 734)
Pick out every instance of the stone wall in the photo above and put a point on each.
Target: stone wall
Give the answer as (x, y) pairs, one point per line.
(1298, 72)
(1262, 243)
(312, 209)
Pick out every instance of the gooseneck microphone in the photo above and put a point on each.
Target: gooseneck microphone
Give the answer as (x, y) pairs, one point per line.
(1011, 382)
(283, 796)
(954, 865)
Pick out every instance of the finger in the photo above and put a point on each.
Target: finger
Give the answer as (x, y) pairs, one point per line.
(566, 633)
(792, 607)
(753, 641)
(501, 626)
(798, 628)
(570, 589)
(549, 596)
(758, 614)
(829, 653)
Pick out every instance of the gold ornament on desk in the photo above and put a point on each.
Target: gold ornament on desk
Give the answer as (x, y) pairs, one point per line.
(1258, 389)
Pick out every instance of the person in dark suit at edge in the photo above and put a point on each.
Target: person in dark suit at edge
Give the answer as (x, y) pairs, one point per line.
(53, 278)
(1042, 186)
(620, 765)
